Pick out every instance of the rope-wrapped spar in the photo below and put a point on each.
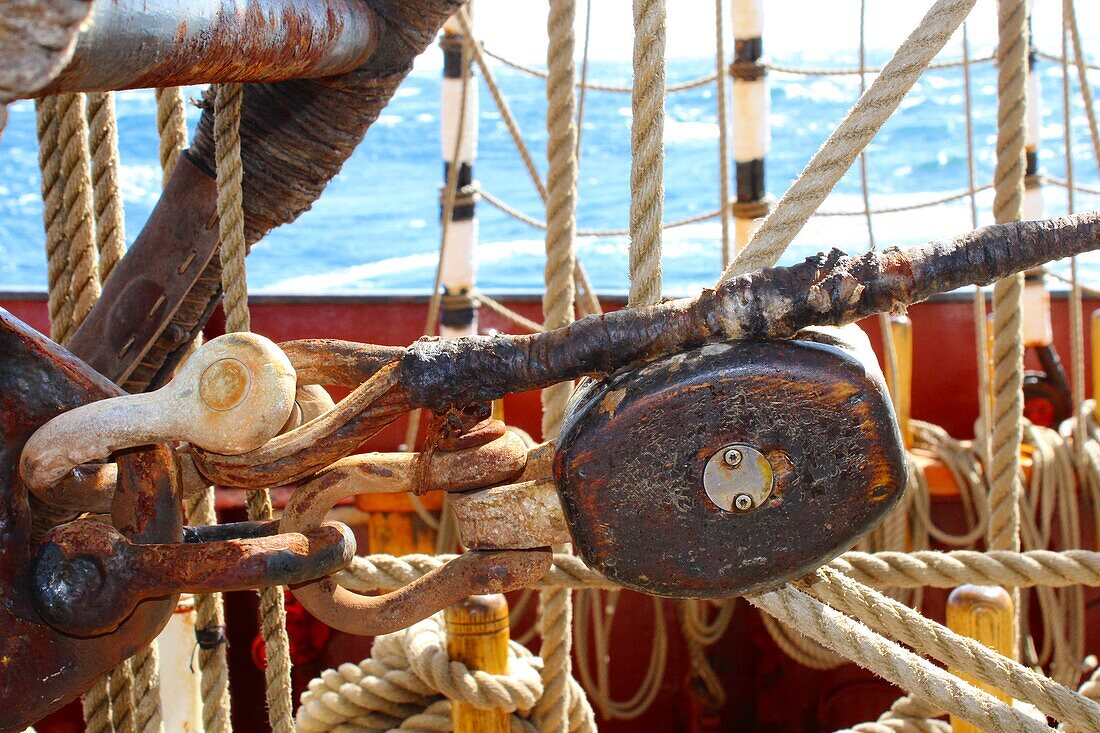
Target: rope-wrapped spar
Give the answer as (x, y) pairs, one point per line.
(750, 116)
(827, 289)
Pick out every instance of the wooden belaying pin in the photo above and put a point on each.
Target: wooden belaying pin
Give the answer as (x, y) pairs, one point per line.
(985, 613)
(477, 636)
(901, 383)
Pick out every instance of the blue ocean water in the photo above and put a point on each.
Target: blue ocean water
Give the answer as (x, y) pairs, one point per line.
(376, 230)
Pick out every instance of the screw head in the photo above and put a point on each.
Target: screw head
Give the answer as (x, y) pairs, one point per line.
(732, 458)
(742, 502)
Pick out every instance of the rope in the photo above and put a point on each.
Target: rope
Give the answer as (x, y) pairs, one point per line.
(647, 153)
(109, 222)
(1069, 20)
(890, 618)
(1080, 188)
(595, 85)
(172, 128)
(856, 70)
(85, 211)
(57, 245)
(210, 634)
(703, 680)
(850, 137)
(1008, 350)
(928, 203)
(515, 213)
(95, 704)
(893, 662)
(561, 200)
(409, 682)
(505, 312)
(889, 569)
(147, 716)
(227, 115)
(122, 697)
(556, 605)
(78, 209)
(1077, 344)
(723, 128)
(592, 624)
(907, 715)
(1059, 58)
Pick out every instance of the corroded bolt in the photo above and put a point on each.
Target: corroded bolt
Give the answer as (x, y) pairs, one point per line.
(732, 458)
(743, 502)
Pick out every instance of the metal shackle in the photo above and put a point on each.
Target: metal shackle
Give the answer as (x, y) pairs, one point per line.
(232, 396)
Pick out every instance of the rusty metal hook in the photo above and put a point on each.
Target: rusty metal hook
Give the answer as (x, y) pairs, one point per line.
(475, 572)
(88, 577)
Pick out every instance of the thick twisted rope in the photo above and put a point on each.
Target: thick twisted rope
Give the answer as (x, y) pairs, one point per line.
(893, 662)
(84, 236)
(896, 620)
(233, 249)
(77, 208)
(95, 704)
(147, 715)
(647, 153)
(850, 137)
(907, 715)
(57, 245)
(210, 633)
(556, 605)
(1008, 349)
(878, 570)
(401, 687)
(561, 194)
(172, 128)
(122, 697)
(109, 222)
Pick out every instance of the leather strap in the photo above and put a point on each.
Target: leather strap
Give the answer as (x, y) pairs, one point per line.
(147, 287)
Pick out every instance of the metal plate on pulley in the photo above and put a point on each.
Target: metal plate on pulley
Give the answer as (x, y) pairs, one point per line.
(729, 469)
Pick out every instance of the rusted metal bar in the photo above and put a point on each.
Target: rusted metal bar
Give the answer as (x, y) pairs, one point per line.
(133, 44)
(828, 289)
(36, 41)
(88, 577)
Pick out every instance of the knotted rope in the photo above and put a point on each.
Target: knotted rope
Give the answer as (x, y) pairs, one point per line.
(409, 681)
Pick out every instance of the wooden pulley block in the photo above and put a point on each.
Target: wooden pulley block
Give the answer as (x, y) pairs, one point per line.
(732, 468)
